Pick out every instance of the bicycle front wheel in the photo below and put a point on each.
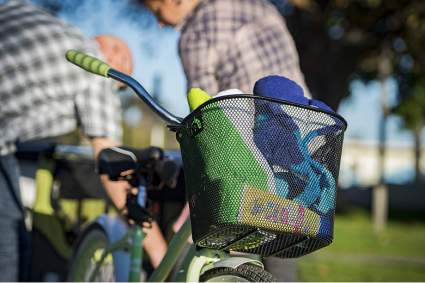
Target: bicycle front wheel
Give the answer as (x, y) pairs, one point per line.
(87, 256)
(243, 273)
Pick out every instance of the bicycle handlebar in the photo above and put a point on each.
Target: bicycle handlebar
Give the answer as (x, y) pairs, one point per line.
(88, 63)
(98, 67)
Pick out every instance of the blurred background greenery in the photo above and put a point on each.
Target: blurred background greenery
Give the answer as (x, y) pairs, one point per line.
(359, 254)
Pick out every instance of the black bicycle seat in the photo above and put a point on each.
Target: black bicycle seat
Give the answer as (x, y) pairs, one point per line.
(116, 160)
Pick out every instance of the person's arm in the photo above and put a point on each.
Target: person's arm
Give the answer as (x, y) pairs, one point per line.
(266, 48)
(199, 58)
(116, 190)
(154, 242)
(99, 112)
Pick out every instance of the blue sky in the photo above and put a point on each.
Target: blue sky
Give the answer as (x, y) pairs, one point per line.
(363, 113)
(154, 49)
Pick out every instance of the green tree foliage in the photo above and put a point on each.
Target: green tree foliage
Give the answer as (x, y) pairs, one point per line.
(412, 111)
(342, 40)
(412, 107)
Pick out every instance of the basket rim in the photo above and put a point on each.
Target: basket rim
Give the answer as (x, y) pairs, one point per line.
(251, 96)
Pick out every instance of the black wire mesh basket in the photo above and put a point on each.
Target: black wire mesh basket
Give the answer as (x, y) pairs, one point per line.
(261, 174)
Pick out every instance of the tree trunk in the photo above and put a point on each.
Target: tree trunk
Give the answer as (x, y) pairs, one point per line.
(417, 134)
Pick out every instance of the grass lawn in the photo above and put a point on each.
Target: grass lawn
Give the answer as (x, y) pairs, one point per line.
(358, 254)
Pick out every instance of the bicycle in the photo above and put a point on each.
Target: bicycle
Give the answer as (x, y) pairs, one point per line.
(68, 196)
(240, 202)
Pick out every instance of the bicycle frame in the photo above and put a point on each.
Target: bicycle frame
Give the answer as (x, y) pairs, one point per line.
(42, 211)
(191, 268)
(132, 241)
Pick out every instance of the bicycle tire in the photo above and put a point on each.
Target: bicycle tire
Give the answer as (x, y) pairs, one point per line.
(82, 264)
(245, 272)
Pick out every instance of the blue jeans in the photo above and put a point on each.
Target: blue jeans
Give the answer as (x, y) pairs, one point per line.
(14, 257)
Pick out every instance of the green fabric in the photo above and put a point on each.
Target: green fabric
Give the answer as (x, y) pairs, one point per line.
(44, 185)
(50, 227)
(226, 163)
(90, 210)
(88, 63)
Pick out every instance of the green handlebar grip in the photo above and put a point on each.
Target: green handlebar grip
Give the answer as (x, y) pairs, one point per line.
(88, 63)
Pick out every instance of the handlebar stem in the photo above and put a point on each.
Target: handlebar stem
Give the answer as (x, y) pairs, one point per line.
(145, 96)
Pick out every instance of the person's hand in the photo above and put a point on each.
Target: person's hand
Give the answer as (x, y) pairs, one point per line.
(184, 215)
(116, 190)
(116, 52)
(154, 243)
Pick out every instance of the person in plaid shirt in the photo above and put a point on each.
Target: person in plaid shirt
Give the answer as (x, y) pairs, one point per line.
(227, 44)
(42, 95)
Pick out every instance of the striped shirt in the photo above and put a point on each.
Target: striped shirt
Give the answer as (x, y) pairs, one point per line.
(41, 94)
(232, 43)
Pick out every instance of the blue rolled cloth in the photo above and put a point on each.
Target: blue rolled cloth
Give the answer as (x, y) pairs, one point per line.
(274, 128)
(279, 139)
(281, 88)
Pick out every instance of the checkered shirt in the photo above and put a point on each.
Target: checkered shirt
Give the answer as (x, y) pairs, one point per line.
(232, 43)
(41, 94)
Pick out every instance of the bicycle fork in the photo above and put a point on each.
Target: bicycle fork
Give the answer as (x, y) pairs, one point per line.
(131, 242)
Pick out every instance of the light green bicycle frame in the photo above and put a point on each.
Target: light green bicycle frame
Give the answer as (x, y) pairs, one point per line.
(191, 267)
